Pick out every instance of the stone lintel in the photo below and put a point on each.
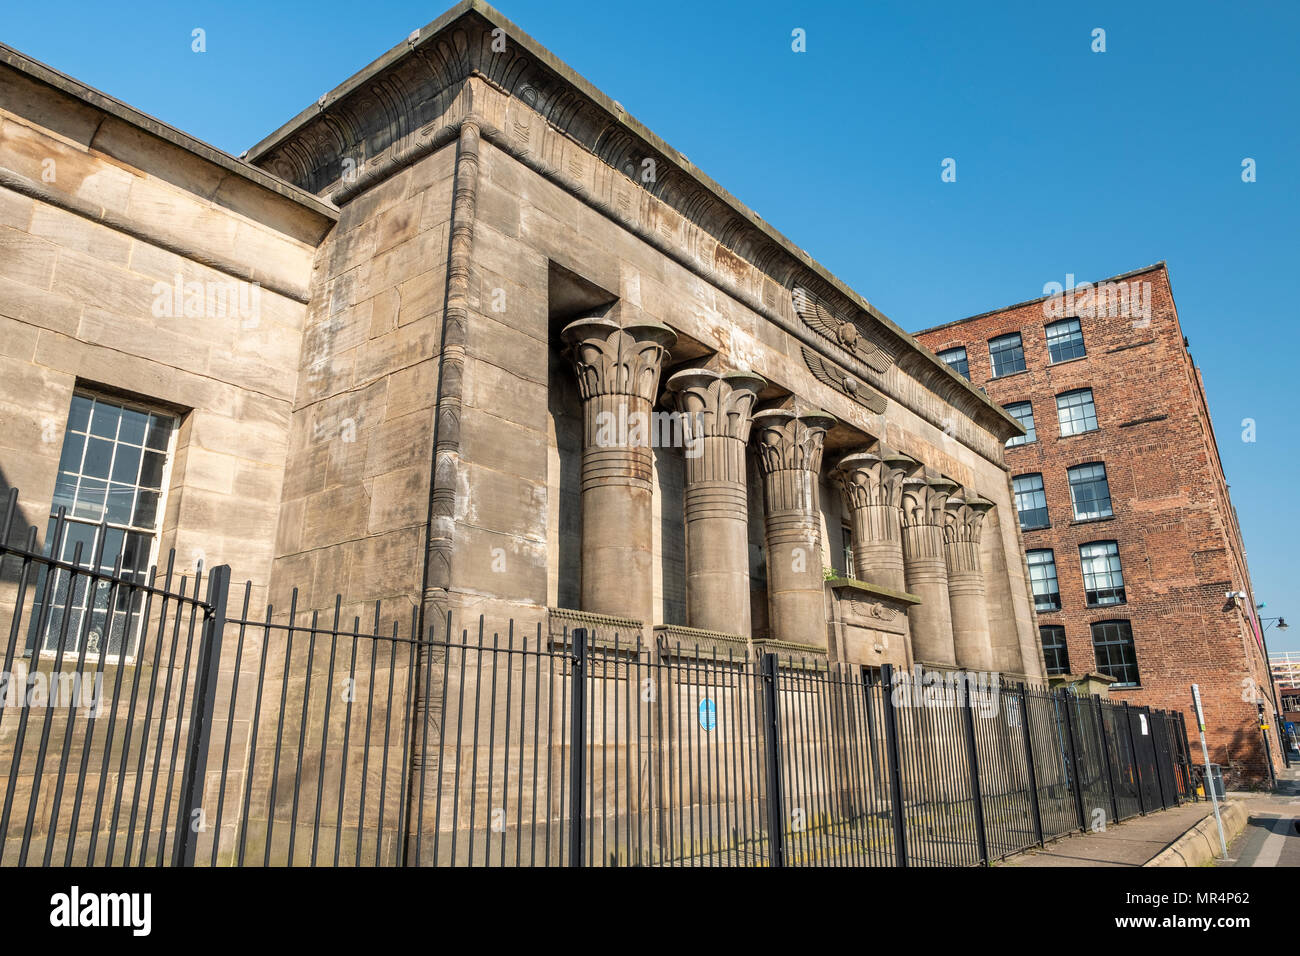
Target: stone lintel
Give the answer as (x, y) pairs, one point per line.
(902, 598)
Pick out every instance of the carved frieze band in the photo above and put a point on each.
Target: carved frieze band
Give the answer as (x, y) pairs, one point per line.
(828, 373)
(850, 335)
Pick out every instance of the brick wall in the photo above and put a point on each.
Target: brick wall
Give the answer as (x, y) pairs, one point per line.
(1178, 540)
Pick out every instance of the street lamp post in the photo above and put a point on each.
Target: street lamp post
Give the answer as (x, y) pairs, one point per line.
(1282, 625)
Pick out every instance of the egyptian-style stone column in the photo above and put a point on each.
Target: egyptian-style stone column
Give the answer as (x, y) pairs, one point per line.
(963, 522)
(716, 410)
(872, 483)
(925, 568)
(790, 456)
(618, 378)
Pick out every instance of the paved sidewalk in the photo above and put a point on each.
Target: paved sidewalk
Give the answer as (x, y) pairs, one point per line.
(1130, 843)
(1271, 838)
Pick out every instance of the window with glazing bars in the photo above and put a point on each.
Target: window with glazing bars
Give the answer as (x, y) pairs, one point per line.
(1007, 354)
(1112, 642)
(1031, 500)
(1055, 654)
(1076, 412)
(955, 359)
(1103, 579)
(1065, 340)
(110, 481)
(1089, 491)
(1042, 579)
(1022, 412)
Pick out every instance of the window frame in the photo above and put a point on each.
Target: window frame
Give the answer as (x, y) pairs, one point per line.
(1047, 334)
(964, 371)
(1059, 651)
(1054, 577)
(1040, 490)
(1074, 501)
(1085, 417)
(1114, 569)
(1130, 642)
(36, 645)
(1031, 431)
(994, 354)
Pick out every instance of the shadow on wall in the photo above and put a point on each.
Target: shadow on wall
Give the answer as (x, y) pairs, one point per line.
(17, 532)
(1247, 766)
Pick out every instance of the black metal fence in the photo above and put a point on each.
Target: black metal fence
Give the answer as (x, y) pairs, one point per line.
(218, 739)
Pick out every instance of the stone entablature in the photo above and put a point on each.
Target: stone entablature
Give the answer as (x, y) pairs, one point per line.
(545, 115)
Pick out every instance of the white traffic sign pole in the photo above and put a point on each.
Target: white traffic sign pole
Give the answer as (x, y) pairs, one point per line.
(1209, 781)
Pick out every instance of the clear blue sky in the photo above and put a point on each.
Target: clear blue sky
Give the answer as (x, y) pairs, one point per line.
(1068, 161)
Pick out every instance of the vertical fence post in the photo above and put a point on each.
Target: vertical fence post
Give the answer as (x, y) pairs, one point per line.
(1105, 756)
(578, 748)
(973, 762)
(1027, 732)
(1075, 776)
(1185, 757)
(1160, 777)
(1137, 764)
(185, 840)
(894, 761)
(772, 742)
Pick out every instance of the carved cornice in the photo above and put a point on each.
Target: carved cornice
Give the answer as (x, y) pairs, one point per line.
(674, 640)
(875, 592)
(613, 360)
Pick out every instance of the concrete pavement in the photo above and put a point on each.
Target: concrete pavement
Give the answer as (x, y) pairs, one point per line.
(1131, 843)
(1271, 836)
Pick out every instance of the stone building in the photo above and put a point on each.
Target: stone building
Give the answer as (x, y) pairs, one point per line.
(465, 336)
(1135, 556)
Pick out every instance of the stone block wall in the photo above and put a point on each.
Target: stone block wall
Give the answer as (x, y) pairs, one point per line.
(104, 216)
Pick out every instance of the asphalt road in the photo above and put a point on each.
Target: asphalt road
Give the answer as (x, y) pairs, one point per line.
(1272, 835)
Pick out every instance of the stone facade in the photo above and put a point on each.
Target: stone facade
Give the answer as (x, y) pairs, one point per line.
(516, 358)
(1179, 547)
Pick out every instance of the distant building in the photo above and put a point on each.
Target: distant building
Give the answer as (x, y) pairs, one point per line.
(1286, 670)
(1133, 550)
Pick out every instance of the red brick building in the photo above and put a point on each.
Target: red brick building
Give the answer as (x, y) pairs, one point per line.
(1132, 544)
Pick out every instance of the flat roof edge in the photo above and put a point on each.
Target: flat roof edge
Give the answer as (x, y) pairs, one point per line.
(97, 99)
(1042, 298)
